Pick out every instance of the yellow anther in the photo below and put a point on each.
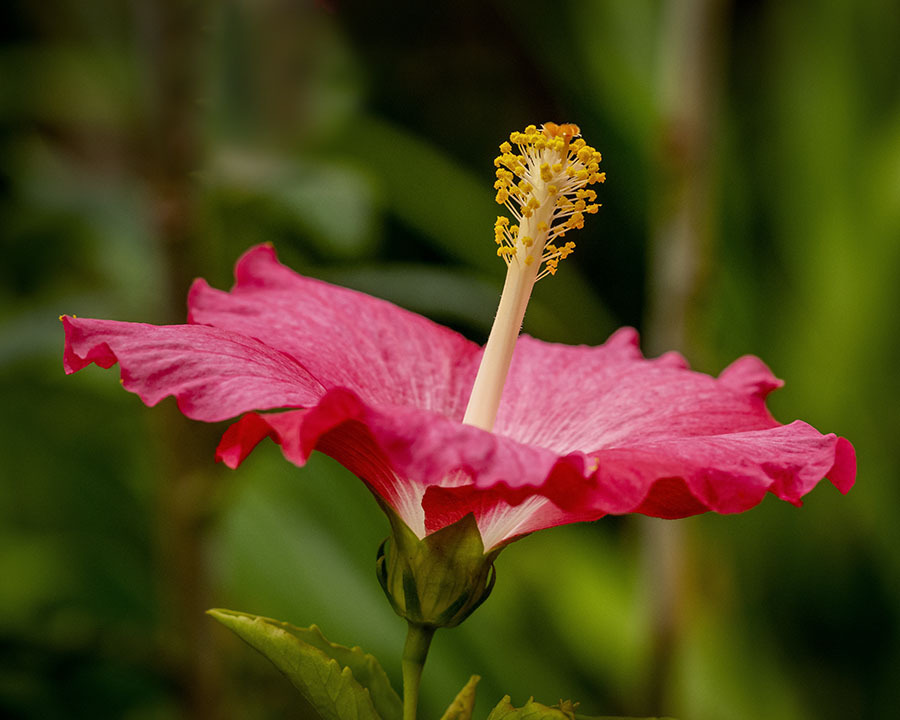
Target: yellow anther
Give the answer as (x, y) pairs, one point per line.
(542, 177)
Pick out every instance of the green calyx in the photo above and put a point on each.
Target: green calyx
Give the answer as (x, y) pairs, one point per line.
(437, 581)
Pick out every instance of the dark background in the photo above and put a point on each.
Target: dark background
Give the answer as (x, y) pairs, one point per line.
(752, 206)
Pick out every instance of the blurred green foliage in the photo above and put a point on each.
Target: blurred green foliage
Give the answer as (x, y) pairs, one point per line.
(358, 139)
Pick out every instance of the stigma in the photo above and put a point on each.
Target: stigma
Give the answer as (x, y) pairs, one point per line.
(543, 179)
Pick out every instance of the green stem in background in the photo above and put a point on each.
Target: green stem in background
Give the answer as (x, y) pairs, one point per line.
(174, 45)
(681, 252)
(418, 640)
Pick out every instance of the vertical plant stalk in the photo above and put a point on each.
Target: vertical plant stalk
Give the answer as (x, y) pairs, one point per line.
(173, 43)
(680, 250)
(418, 640)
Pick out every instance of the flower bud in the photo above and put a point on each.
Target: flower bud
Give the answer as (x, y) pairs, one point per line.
(437, 581)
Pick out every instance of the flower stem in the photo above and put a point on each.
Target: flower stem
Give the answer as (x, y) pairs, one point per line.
(418, 640)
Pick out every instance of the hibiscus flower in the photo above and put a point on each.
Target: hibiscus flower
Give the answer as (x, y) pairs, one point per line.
(547, 434)
(468, 448)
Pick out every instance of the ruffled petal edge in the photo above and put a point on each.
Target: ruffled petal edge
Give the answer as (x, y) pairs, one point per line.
(464, 469)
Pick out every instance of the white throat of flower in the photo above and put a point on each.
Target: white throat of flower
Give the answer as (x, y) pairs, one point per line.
(544, 186)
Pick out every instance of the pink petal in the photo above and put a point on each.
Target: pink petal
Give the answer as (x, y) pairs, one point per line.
(417, 443)
(499, 519)
(409, 456)
(726, 473)
(749, 375)
(387, 355)
(402, 452)
(843, 473)
(568, 398)
(214, 374)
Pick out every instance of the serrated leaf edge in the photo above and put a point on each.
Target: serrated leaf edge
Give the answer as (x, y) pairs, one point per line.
(327, 665)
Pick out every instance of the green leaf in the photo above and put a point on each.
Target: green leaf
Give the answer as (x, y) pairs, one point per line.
(616, 717)
(464, 703)
(366, 669)
(532, 710)
(340, 683)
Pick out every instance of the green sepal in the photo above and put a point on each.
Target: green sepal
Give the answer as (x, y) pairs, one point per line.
(464, 703)
(437, 581)
(341, 683)
(532, 710)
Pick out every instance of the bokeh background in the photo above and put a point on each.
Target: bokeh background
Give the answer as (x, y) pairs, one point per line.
(752, 206)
